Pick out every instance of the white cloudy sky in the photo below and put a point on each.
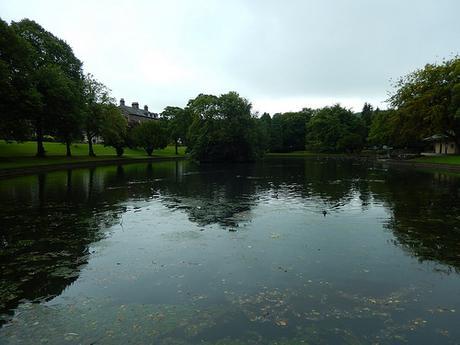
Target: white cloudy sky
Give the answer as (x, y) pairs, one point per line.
(281, 55)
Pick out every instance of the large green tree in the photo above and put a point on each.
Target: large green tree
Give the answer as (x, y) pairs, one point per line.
(223, 129)
(114, 128)
(427, 102)
(17, 91)
(95, 97)
(179, 121)
(151, 135)
(335, 129)
(288, 130)
(383, 130)
(366, 114)
(49, 54)
(63, 104)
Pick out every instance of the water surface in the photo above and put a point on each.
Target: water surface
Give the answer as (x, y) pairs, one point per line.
(286, 251)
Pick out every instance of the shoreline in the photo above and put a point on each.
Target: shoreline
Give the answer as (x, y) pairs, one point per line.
(412, 164)
(29, 170)
(388, 161)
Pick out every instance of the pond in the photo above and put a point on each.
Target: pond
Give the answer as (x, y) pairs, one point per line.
(285, 251)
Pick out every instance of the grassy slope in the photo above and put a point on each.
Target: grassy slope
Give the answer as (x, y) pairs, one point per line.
(453, 160)
(18, 155)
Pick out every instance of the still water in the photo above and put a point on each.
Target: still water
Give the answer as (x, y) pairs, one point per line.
(292, 251)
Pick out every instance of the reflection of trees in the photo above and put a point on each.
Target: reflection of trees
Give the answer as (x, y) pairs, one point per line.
(213, 193)
(48, 221)
(425, 214)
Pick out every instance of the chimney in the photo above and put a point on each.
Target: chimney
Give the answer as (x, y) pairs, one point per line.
(146, 107)
(122, 101)
(135, 105)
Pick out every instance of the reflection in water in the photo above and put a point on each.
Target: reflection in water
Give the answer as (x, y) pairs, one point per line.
(51, 225)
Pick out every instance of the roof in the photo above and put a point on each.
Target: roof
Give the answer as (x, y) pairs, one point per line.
(137, 112)
(436, 137)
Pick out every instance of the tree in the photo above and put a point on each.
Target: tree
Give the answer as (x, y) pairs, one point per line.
(179, 121)
(151, 135)
(17, 91)
(223, 129)
(288, 130)
(427, 102)
(49, 54)
(62, 104)
(383, 128)
(366, 114)
(114, 128)
(264, 127)
(95, 97)
(335, 129)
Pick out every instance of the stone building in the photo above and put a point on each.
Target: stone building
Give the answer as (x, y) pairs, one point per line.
(135, 115)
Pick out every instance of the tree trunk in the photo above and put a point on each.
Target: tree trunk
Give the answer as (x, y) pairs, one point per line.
(90, 147)
(39, 132)
(176, 144)
(120, 151)
(67, 146)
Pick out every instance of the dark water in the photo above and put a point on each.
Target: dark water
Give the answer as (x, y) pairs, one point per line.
(173, 253)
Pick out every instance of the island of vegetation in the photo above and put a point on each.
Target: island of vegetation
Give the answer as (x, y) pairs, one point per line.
(46, 100)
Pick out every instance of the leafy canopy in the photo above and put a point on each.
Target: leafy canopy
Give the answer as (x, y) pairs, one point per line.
(151, 135)
(335, 129)
(223, 129)
(427, 102)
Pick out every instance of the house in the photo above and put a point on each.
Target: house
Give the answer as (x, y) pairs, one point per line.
(442, 144)
(135, 115)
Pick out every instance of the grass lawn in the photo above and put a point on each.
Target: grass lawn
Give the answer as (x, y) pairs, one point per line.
(20, 155)
(448, 159)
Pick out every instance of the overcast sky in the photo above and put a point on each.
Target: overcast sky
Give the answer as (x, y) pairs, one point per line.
(281, 55)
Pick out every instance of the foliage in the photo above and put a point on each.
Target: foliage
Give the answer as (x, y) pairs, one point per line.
(367, 114)
(151, 135)
(222, 129)
(427, 102)
(383, 129)
(114, 128)
(264, 128)
(62, 105)
(179, 121)
(288, 131)
(335, 129)
(16, 88)
(52, 61)
(95, 96)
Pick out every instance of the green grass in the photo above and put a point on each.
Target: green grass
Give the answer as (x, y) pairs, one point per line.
(449, 159)
(20, 155)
